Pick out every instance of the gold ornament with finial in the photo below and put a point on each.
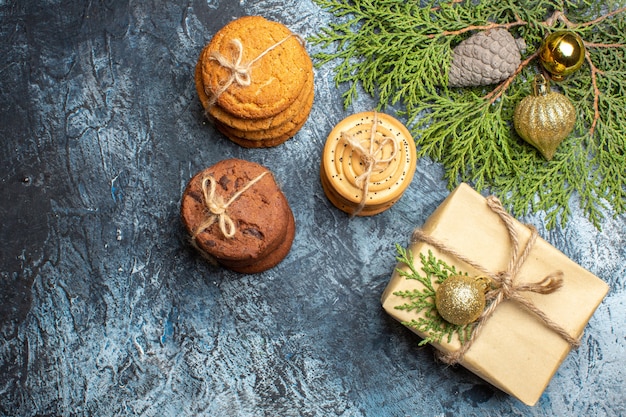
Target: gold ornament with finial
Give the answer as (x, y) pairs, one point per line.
(460, 299)
(544, 118)
(562, 53)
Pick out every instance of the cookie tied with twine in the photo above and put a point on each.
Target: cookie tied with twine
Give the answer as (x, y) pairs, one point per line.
(239, 71)
(255, 82)
(367, 164)
(237, 216)
(371, 158)
(218, 208)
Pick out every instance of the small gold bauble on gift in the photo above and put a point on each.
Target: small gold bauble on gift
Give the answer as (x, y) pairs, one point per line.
(562, 53)
(544, 118)
(460, 299)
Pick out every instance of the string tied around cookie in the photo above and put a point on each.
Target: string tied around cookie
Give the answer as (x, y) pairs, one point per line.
(369, 158)
(217, 207)
(504, 284)
(239, 71)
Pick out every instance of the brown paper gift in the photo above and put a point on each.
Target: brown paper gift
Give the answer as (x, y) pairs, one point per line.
(515, 350)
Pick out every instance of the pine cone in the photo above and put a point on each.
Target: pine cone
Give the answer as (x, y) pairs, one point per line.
(485, 58)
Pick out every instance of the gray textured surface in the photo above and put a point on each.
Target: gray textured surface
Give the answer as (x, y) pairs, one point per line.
(105, 310)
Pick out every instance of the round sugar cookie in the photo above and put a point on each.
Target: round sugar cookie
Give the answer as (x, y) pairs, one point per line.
(255, 129)
(266, 143)
(286, 130)
(279, 67)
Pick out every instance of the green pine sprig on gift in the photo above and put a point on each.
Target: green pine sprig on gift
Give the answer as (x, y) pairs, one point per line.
(399, 52)
(432, 270)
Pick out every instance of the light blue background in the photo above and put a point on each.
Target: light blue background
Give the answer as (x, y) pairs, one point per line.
(108, 311)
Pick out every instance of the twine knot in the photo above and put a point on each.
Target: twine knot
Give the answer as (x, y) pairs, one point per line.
(369, 159)
(239, 71)
(504, 285)
(217, 207)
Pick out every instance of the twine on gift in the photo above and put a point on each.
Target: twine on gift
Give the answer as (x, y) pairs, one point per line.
(504, 285)
(369, 159)
(239, 72)
(217, 207)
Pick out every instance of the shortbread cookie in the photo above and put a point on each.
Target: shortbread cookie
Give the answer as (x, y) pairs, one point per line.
(364, 173)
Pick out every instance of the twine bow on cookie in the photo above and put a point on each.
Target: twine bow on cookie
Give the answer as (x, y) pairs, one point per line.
(217, 207)
(505, 286)
(369, 158)
(239, 71)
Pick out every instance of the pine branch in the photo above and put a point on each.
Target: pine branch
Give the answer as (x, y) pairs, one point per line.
(399, 53)
(423, 300)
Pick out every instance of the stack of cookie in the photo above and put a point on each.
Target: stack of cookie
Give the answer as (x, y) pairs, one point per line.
(255, 82)
(238, 217)
(368, 162)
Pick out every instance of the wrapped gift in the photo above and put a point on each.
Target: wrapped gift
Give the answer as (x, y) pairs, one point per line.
(536, 310)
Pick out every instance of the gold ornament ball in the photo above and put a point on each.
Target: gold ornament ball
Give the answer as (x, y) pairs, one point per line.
(545, 118)
(562, 53)
(460, 299)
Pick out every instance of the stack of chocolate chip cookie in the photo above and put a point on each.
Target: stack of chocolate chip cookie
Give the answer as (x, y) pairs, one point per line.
(255, 82)
(238, 217)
